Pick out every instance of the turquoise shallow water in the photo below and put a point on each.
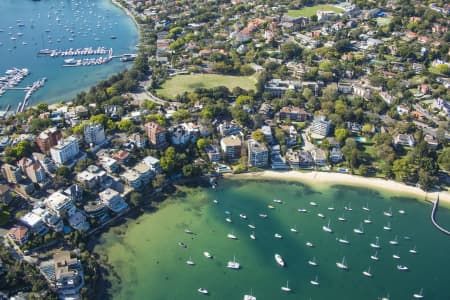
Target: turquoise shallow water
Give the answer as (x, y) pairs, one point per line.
(88, 23)
(150, 264)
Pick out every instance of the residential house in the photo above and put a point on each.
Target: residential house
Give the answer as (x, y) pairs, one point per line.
(109, 164)
(153, 163)
(138, 139)
(213, 153)
(5, 194)
(305, 160)
(292, 135)
(156, 135)
(354, 127)
(231, 146)
(11, 173)
(432, 142)
(132, 178)
(34, 222)
(60, 204)
(145, 172)
(121, 156)
(319, 156)
(336, 155)
(402, 109)
(19, 235)
(68, 274)
(293, 159)
(113, 200)
(48, 138)
(293, 113)
(229, 128)
(258, 154)
(404, 140)
(267, 131)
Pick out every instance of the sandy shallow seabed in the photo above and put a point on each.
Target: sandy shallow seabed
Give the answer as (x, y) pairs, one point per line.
(346, 179)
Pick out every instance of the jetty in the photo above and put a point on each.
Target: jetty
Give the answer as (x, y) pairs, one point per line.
(30, 90)
(433, 217)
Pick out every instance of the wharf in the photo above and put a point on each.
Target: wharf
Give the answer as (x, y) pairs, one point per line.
(433, 217)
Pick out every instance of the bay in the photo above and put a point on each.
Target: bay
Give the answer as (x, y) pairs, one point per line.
(60, 25)
(149, 263)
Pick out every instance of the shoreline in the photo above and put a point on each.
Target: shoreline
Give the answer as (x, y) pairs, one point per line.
(130, 14)
(316, 177)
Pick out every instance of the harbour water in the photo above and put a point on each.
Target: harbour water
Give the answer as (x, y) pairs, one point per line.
(29, 26)
(148, 263)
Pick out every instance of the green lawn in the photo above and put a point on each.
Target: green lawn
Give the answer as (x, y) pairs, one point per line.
(187, 83)
(310, 11)
(383, 21)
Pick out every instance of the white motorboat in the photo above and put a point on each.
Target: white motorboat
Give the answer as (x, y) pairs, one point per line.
(286, 288)
(279, 259)
(228, 220)
(312, 262)
(367, 272)
(315, 281)
(202, 291)
(182, 245)
(227, 212)
(278, 236)
(188, 231)
(321, 215)
(327, 227)
(277, 201)
(215, 201)
(252, 236)
(302, 210)
(402, 212)
(419, 295)
(263, 216)
(233, 264)
(231, 236)
(394, 241)
(376, 245)
(294, 229)
(242, 216)
(402, 268)
(375, 256)
(309, 244)
(251, 226)
(312, 203)
(359, 230)
(396, 256)
(413, 250)
(207, 254)
(190, 261)
(341, 264)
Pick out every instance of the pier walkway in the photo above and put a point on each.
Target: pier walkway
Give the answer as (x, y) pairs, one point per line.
(433, 217)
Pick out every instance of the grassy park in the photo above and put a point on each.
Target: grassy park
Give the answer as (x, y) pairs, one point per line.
(188, 83)
(310, 11)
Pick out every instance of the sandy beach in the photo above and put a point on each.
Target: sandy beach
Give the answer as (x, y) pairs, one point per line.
(346, 179)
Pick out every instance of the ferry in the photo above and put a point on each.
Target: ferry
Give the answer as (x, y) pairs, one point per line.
(279, 260)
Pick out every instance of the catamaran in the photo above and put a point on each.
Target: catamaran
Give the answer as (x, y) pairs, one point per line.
(376, 245)
(286, 288)
(367, 272)
(279, 259)
(233, 264)
(315, 281)
(327, 227)
(359, 230)
(418, 295)
(341, 264)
